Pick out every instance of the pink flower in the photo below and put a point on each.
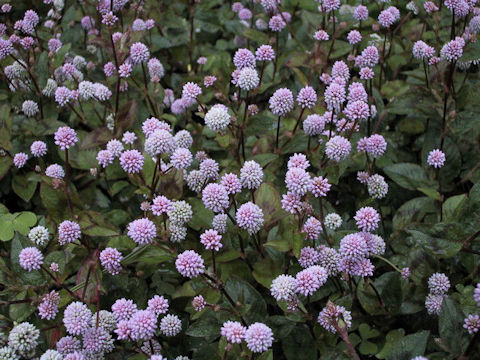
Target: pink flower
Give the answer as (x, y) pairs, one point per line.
(131, 161)
(259, 337)
(231, 183)
(291, 203)
(312, 228)
(250, 217)
(158, 305)
(190, 264)
(142, 231)
(436, 158)
(123, 309)
(354, 37)
(142, 325)
(265, 53)
(307, 97)
(30, 258)
(243, 58)
(161, 205)
(191, 91)
(48, 308)
(104, 158)
(211, 240)
(20, 159)
(215, 197)
(321, 35)
(367, 218)
(281, 102)
(276, 23)
(111, 258)
(38, 148)
(68, 232)
(308, 257)
(65, 137)
(199, 303)
(233, 331)
(298, 181)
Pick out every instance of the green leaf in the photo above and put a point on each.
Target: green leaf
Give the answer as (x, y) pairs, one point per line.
(207, 327)
(450, 326)
(252, 303)
(388, 285)
(5, 163)
(452, 205)
(268, 199)
(6, 229)
(411, 126)
(94, 224)
(413, 210)
(395, 88)
(299, 344)
(409, 346)
(409, 176)
(278, 241)
(23, 187)
(268, 355)
(442, 248)
(434, 194)
(256, 35)
(266, 270)
(392, 338)
(27, 218)
(368, 299)
(368, 348)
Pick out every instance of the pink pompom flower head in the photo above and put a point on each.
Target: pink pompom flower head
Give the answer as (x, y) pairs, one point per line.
(65, 137)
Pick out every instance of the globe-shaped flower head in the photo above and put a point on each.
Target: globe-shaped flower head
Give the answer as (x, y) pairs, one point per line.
(338, 148)
(20, 159)
(39, 235)
(191, 91)
(65, 137)
(233, 331)
(111, 258)
(131, 161)
(251, 175)
(248, 79)
(367, 218)
(250, 217)
(68, 232)
(77, 318)
(438, 284)
(139, 53)
(281, 102)
(23, 339)
(38, 148)
(211, 240)
(243, 58)
(189, 264)
(142, 231)
(143, 324)
(30, 258)
(265, 53)
(171, 325)
(436, 158)
(259, 337)
(298, 181)
(215, 197)
(217, 118)
(283, 288)
(160, 142)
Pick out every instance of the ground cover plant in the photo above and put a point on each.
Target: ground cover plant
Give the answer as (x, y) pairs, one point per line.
(204, 179)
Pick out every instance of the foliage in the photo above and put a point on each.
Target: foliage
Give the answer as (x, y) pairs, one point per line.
(427, 223)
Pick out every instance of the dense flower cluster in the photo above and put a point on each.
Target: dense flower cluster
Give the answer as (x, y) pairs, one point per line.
(323, 150)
